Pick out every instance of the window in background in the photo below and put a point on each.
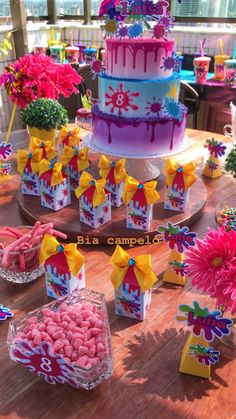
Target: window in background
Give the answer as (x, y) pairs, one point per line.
(95, 4)
(5, 8)
(36, 7)
(70, 7)
(204, 8)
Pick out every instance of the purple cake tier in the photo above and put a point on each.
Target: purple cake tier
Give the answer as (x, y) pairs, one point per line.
(144, 136)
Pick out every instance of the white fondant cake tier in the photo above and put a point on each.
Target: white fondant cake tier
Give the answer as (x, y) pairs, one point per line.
(139, 58)
(133, 98)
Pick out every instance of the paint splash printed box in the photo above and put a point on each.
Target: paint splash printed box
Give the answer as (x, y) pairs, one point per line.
(74, 161)
(69, 138)
(54, 186)
(139, 198)
(132, 279)
(178, 181)
(28, 167)
(64, 267)
(94, 201)
(115, 174)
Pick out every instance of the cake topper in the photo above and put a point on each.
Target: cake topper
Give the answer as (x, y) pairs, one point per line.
(5, 151)
(137, 13)
(204, 323)
(176, 237)
(216, 148)
(5, 313)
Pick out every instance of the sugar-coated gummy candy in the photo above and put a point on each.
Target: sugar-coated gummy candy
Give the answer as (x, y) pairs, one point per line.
(74, 331)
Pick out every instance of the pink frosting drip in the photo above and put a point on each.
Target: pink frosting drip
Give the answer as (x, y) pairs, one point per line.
(134, 46)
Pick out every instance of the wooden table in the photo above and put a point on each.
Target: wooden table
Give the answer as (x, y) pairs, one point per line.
(145, 382)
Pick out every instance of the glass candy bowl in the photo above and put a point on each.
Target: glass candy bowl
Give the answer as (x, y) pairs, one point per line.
(21, 266)
(48, 363)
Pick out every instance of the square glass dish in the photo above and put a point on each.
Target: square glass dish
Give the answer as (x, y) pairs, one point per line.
(49, 362)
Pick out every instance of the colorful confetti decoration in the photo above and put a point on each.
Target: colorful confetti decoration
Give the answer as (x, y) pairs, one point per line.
(205, 323)
(40, 361)
(204, 355)
(5, 313)
(176, 237)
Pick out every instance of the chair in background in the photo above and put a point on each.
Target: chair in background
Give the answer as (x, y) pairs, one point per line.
(190, 98)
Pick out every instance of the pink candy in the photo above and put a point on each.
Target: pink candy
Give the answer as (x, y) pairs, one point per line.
(75, 332)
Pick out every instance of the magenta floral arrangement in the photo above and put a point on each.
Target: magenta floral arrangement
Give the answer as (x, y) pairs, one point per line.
(212, 266)
(36, 76)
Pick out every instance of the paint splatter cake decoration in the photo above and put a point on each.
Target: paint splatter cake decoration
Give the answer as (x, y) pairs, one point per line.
(138, 106)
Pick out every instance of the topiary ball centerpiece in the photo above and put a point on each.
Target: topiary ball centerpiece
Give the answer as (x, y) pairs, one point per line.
(43, 117)
(230, 162)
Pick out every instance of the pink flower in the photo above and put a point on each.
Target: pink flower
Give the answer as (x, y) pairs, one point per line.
(212, 266)
(37, 76)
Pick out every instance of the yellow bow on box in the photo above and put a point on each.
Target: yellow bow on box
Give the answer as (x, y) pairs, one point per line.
(45, 166)
(50, 247)
(121, 260)
(72, 135)
(105, 166)
(82, 157)
(24, 156)
(132, 185)
(188, 171)
(85, 182)
(36, 145)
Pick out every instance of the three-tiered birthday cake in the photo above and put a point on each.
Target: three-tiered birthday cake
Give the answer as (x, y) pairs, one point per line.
(138, 110)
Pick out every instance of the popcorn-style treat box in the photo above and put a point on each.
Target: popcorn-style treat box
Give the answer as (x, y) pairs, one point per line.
(94, 201)
(132, 290)
(212, 167)
(38, 146)
(178, 181)
(74, 160)
(28, 167)
(54, 186)
(139, 198)
(69, 138)
(177, 269)
(62, 274)
(189, 363)
(115, 175)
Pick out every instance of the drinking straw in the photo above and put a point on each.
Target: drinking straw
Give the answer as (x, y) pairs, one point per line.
(11, 121)
(79, 37)
(71, 39)
(60, 37)
(53, 34)
(234, 53)
(201, 48)
(221, 47)
(91, 41)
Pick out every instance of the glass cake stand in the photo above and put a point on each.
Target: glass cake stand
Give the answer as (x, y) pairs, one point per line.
(140, 167)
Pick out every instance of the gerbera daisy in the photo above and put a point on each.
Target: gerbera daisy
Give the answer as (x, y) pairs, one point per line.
(212, 266)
